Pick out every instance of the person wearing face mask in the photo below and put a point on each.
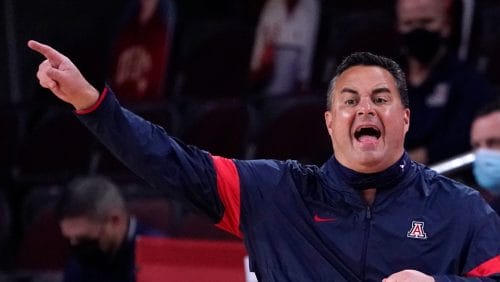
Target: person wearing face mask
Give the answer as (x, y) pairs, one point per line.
(94, 219)
(444, 91)
(485, 140)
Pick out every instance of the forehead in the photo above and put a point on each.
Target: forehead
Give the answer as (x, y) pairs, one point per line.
(365, 78)
(418, 9)
(488, 125)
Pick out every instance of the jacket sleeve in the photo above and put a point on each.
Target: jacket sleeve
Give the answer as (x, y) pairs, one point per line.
(184, 172)
(482, 261)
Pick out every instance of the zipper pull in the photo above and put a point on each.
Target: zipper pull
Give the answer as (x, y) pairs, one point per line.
(368, 212)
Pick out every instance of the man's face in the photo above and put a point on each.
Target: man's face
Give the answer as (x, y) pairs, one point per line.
(81, 230)
(367, 121)
(484, 132)
(427, 14)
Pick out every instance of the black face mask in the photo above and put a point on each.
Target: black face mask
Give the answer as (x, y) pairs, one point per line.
(88, 252)
(422, 44)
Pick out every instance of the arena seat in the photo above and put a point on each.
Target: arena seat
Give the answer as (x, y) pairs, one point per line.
(220, 127)
(57, 149)
(162, 259)
(294, 130)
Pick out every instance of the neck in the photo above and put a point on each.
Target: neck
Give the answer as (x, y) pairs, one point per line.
(369, 195)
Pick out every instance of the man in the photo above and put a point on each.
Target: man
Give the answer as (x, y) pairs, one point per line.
(444, 92)
(368, 213)
(101, 233)
(485, 140)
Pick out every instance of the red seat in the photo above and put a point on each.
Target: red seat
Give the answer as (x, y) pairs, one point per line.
(163, 259)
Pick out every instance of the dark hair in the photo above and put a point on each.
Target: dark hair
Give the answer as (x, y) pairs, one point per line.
(488, 109)
(369, 59)
(92, 197)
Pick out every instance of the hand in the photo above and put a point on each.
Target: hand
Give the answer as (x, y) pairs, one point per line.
(409, 275)
(63, 78)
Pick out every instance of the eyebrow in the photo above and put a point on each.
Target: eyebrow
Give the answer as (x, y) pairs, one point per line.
(381, 89)
(348, 90)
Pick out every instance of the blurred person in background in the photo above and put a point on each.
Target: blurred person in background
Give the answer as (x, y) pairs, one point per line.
(444, 92)
(140, 56)
(485, 140)
(284, 46)
(93, 217)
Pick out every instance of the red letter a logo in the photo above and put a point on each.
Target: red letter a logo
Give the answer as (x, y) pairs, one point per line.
(417, 230)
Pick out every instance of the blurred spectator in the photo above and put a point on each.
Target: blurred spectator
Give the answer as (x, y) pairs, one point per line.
(444, 92)
(485, 140)
(141, 52)
(284, 46)
(101, 233)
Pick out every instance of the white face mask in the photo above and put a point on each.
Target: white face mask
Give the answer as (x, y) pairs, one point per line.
(486, 169)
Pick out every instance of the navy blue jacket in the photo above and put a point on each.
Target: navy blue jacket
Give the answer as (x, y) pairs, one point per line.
(308, 223)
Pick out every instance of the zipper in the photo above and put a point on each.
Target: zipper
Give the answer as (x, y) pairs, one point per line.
(366, 227)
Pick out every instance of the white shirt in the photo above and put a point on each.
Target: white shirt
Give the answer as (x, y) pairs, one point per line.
(294, 38)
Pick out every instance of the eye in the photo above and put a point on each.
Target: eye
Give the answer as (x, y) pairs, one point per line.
(493, 143)
(380, 100)
(350, 102)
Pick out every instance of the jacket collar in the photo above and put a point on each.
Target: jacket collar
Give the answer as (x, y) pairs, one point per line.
(347, 182)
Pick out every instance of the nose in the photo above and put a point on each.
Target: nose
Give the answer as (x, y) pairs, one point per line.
(365, 107)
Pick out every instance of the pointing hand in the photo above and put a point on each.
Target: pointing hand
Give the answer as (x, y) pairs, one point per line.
(63, 78)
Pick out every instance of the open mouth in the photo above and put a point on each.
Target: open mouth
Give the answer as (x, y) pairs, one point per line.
(367, 132)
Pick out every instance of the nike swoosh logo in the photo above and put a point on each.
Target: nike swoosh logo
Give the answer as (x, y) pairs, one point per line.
(317, 218)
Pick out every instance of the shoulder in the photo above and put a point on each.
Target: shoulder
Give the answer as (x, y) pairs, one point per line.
(451, 193)
(274, 171)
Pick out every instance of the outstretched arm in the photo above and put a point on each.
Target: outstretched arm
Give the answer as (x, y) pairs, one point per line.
(183, 172)
(63, 78)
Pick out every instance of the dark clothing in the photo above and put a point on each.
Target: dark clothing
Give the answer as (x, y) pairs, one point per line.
(120, 269)
(308, 223)
(443, 107)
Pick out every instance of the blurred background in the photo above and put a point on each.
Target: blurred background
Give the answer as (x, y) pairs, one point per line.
(194, 76)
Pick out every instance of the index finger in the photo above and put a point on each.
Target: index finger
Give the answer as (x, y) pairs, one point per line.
(55, 58)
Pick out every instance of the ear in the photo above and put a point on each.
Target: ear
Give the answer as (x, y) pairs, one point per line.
(117, 217)
(328, 122)
(406, 119)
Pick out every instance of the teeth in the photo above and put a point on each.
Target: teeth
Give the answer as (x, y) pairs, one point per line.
(371, 131)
